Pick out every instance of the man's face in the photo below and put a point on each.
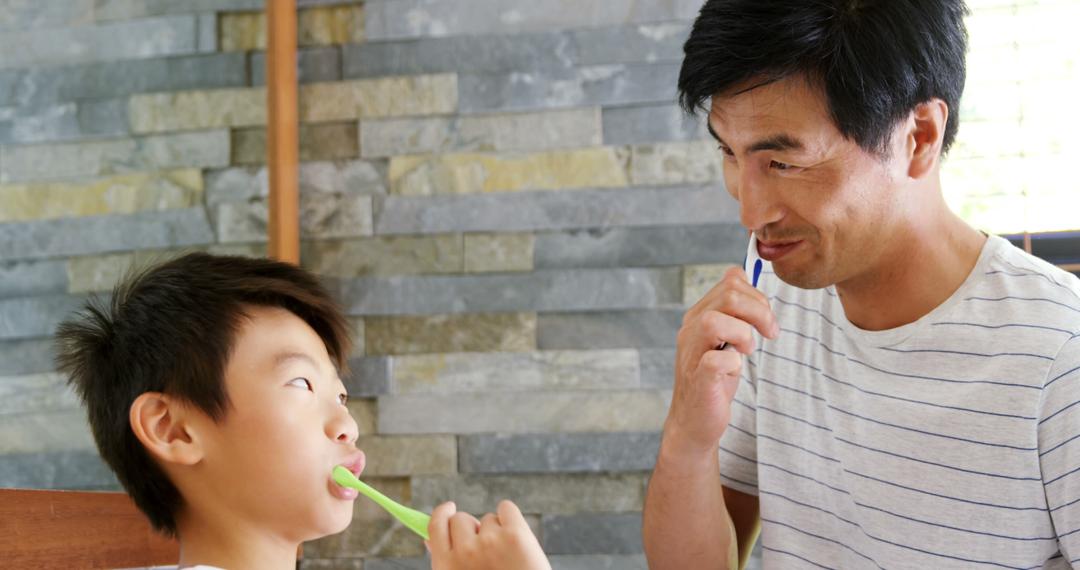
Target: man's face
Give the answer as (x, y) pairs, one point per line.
(820, 205)
(287, 426)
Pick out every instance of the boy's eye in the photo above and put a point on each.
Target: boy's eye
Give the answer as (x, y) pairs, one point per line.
(301, 383)
(343, 399)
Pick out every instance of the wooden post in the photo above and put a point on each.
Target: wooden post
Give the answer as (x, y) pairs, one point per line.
(282, 140)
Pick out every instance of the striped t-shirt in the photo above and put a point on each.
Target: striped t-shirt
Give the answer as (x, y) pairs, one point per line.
(950, 442)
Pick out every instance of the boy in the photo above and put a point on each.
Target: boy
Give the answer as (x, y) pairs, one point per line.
(212, 391)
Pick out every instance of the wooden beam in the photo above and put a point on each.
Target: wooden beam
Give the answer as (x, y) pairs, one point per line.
(282, 140)
(1070, 267)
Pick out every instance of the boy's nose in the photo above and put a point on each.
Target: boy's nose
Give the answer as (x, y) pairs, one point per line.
(343, 428)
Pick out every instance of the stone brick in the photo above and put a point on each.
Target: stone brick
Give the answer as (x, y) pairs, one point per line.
(391, 456)
(324, 177)
(657, 42)
(532, 211)
(26, 356)
(546, 291)
(602, 330)
(124, 194)
(472, 173)
(486, 53)
(552, 412)
(321, 216)
(155, 37)
(313, 64)
(128, 9)
(205, 149)
(397, 564)
(319, 26)
(368, 377)
(18, 279)
(515, 372)
(357, 332)
(386, 538)
(489, 253)
(207, 30)
(103, 118)
(549, 494)
(33, 393)
(696, 162)
(390, 19)
(601, 562)
(571, 128)
(558, 453)
(104, 234)
(44, 432)
(593, 533)
(642, 247)
(404, 255)
(376, 98)
(30, 317)
(333, 564)
(364, 412)
(657, 367)
(97, 273)
(318, 142)
(76, 470)
(501, 332)
(650, 124)
(699, 279)
(191, 110)
(606, 85)
(28, 14)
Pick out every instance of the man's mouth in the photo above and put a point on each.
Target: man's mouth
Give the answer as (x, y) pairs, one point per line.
(774, 251)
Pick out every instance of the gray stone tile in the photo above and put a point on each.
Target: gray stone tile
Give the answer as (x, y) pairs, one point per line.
(71, 470)
(647, 124)
(389, 19)
(530, 211)
(146, 38)
(103, 117)
(65, 121)
(32, 317)
(31, 14)
(608, 329)
(312, 65)
(29, 87)
(129, 9)
(631, 44)
(539, 291)
(26, 356)
(207, 30)
(599, 562)
(60, 161)
(326, 177)
(36, 393)
(43, 432)
(19, 279)
(657, 367)
(558, 453)
(368, 377)
(397, 564)
(592, 533)
(103, 234)
(606, 85)
(531, 412)
(549, 494)
(642, 247)
(500, 53)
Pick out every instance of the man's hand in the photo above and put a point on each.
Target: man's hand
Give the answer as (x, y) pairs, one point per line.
(496, 541)
(705, 377)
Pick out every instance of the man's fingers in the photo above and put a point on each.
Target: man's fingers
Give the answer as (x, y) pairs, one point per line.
(439, 526)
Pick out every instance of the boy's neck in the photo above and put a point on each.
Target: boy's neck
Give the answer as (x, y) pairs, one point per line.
(232, 545)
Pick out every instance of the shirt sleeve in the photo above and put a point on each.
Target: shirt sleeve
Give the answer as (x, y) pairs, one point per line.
(1059, 448)
(738, 445)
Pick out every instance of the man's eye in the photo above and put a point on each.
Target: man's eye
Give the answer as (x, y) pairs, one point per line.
(727, 151)
(301, 383)
(780, 165)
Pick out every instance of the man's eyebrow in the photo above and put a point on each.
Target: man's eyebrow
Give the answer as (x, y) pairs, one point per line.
(775, 142)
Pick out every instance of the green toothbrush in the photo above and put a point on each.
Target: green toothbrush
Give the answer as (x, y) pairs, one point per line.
(415, 520)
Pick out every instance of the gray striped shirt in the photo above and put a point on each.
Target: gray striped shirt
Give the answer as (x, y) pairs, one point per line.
(950, 442)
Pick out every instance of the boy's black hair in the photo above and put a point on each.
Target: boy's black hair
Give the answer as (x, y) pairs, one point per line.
(171, 329)
(875, 60)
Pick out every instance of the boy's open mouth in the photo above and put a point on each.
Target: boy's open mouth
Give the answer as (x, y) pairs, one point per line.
(355, 464)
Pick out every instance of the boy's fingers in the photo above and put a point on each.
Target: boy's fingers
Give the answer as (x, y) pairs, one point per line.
(489, 522)
(463, 529)
(510, 514)
(439, 526)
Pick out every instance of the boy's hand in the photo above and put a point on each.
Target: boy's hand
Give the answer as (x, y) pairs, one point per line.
(501, 541)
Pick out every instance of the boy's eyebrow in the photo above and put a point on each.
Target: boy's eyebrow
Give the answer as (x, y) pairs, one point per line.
(775, 142)
(283, 357)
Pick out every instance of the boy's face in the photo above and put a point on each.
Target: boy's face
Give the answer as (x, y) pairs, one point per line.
(270, 458)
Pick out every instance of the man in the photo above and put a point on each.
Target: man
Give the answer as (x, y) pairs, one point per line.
(901, 390)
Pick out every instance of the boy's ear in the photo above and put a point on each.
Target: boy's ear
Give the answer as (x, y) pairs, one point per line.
(164, 426)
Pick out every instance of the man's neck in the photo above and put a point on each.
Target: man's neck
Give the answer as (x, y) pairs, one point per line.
(922, 267)
(232, 545)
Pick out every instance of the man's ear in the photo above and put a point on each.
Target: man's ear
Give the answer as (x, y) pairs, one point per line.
(925, 137)
(165, 428)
